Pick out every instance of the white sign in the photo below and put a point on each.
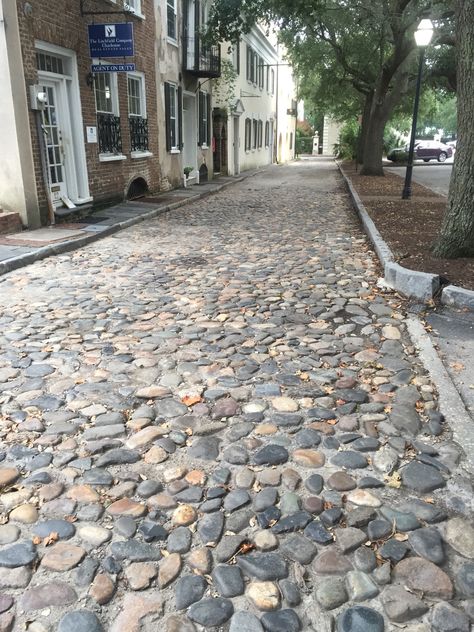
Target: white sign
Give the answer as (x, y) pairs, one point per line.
(91, 134)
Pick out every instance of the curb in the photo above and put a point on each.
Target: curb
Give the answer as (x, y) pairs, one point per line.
(450, 401)
(73, 244)
(411, 283)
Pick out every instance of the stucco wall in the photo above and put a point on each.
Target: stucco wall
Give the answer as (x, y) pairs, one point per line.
(17, 182)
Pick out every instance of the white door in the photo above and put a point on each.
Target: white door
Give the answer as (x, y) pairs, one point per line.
(53, 136)
(189, 131)
(236, 137)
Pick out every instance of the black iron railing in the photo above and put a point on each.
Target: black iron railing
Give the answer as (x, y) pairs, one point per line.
(110, 133)
(201, 60)
(138, 133)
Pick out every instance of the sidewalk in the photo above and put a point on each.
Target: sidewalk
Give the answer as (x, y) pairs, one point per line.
(21, 249)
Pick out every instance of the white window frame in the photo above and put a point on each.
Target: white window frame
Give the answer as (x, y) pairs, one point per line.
(174, 97)
(113, 92)
(140, 77)
(106, 156)
(205, 121)
(169, 4)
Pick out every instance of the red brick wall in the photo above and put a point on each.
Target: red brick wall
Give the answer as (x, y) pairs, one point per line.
(60, 22)
(10, 223)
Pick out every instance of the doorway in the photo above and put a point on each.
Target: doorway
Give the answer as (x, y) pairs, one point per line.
(62, 126)
(236, 144)
(189, 131)
(219, 125)
(51, 118)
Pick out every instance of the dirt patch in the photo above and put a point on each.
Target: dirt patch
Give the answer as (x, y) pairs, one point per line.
(410, 227)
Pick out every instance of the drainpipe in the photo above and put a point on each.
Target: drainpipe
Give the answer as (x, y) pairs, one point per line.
(277, 113)
(44, 167)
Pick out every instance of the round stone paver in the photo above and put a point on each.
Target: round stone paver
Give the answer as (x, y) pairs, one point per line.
(212, 409)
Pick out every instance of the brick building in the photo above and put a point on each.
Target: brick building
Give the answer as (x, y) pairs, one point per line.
(71, 136)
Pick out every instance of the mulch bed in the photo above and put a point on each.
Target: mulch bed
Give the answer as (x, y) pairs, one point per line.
(410, 227)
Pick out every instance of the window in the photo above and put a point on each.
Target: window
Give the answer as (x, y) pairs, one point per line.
(171, 18)
(174, 117)
(108, 122)
(267, 134)
(236, 57)
(255, 134)
(248, 134)
(261, 70)
(268, 78)
(260, 134)
(254, 67)
(49, 63)
(272, 82)
(137, 120)
(103, 92)
(134, 5)
(204, 119)
(136, 95)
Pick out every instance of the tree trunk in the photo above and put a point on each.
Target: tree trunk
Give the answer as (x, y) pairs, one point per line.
(457, 231)
(364, 127)
(373, 146)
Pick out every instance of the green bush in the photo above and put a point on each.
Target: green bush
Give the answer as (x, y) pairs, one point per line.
(346, 148)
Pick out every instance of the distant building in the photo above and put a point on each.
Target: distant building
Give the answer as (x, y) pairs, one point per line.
(254, 122)
(331, 132)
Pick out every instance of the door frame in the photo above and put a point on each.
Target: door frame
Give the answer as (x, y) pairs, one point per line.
(193, 141)
(70, 116)
(236, 143)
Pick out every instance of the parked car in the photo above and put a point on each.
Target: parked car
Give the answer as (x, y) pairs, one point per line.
(432, 149)
(425, 150)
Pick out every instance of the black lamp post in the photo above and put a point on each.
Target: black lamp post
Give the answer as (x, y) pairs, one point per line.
(423, 35)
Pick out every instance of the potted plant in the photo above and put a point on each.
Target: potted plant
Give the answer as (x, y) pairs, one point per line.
(187, 171)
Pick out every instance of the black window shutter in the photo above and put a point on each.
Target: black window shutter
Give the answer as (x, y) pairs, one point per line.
(238, 56)
(201, 119)
(180, 117)
(209, 121)
(167, 115)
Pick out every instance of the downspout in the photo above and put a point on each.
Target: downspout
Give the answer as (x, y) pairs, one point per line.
(277, 113)
(44, 166)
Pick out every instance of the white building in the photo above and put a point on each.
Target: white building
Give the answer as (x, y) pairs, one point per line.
(331, 133)
(254, 112)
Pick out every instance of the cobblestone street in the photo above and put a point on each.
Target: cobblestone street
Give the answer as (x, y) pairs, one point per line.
(215, 421)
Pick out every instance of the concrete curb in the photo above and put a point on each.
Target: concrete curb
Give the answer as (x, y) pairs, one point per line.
(412, 283)
(457, 297)
(450, 401)
(73, 244)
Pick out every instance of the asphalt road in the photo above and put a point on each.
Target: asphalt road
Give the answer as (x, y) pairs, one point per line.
(434, 176)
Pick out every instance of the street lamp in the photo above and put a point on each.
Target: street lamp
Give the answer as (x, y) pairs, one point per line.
(423, 35)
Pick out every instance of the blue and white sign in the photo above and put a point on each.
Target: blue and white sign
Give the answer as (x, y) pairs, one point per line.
(113, 68)
(111, 40)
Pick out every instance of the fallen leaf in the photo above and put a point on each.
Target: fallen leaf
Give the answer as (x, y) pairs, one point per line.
(51, 538)
(457, 366)
(394, 480)
(37, 540)
(400, 537)
(190, 400)
(70, 518)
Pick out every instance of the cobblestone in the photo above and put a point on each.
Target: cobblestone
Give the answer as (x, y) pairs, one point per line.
(219, 408)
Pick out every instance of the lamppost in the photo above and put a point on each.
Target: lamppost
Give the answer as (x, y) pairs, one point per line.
(423, 35)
